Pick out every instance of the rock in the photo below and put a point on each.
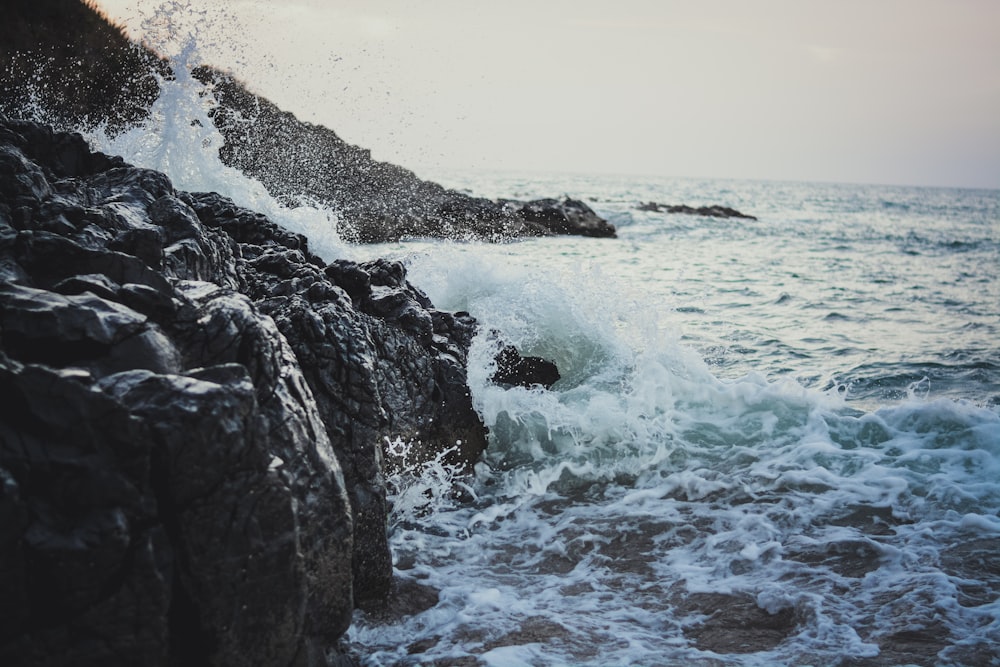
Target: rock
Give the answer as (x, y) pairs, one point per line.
(734, 623)
(513, 370)
(81, 70)
(378, 202)
(714, 211)
(570, 216)
(193, 415)
(93, 71)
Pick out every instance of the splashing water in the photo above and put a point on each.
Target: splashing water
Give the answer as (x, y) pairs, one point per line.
(647, 511)
(180, 139)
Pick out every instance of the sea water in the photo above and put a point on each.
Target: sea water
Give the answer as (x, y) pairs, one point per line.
(774, 442)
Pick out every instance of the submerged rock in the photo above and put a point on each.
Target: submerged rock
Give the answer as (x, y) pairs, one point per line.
(714, 211)
(193, 415)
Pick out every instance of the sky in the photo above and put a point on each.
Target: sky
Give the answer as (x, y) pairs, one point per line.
(875, 91)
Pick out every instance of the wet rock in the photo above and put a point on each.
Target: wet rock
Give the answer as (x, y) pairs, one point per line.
(714, 211)
(734, 623)
(406, 597)
(569, 216)
(77, 67)
(194, 410)
(378, 202)
(514, 370)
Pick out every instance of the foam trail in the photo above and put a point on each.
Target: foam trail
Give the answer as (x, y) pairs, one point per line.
(614, 516)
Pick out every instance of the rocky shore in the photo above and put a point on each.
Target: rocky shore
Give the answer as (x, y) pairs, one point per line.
(75, 68)
(195, 406)
(377, 201)
(194, 410)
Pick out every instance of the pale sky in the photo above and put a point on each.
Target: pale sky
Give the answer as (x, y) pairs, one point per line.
(861, 91)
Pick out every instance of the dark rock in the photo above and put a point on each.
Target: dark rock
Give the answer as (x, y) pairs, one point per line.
(193, 419)
(86, 563)
(406, 598)
(734, 623)
(570, 216)
(84, 331)
(513, 370)
(377, 202)
(377, 370)
(93, 71)
(80, 70)
(714, 211)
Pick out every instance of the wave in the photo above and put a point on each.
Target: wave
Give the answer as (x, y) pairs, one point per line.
(645, 507)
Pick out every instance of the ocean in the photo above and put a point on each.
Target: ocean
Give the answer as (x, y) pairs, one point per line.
(774, 442)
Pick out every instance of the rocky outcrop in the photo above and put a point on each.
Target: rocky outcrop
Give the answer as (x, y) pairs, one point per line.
(64, 57)
(514, 370)
(194, 406)
(570, 216)
(714, 211)
(378, 202)
(64, 61)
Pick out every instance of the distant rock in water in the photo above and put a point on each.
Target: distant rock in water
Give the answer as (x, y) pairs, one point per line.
(570, 216)
(193, 412)
(708, 211)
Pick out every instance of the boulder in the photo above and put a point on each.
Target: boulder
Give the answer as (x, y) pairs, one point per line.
(514, 370)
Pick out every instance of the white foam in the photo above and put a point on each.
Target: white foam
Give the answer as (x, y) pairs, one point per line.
(723, 485)
(642, 478)
(180, 139)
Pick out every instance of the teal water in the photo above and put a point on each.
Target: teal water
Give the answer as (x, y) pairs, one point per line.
(775, 442)
(871, 289)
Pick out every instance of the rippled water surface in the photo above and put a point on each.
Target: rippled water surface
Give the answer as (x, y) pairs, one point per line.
(775, 442)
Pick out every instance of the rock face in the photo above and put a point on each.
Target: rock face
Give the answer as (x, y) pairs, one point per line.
(65, 57)
(192, 417)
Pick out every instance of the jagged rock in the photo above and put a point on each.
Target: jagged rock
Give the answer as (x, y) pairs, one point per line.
(377, 202)
(92, 72)
(193, 415)
(714, 211)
